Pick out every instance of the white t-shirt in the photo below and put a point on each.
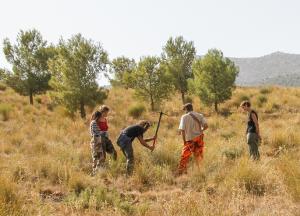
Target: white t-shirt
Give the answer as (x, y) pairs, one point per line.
(190, 125)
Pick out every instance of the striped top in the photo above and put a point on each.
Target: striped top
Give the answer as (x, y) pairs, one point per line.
(94, 129)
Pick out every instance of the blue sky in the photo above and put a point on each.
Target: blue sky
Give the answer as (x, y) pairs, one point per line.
(134, 28)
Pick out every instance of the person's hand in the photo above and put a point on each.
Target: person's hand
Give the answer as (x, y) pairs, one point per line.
(259, 137)
(154, 138)
(151, 147)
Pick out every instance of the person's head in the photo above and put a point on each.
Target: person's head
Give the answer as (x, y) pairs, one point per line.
(246, 106)
(104, 110)
(145, 124)
(96, 115)
(188, 107)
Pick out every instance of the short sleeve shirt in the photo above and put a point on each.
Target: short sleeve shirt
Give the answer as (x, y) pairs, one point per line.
(134, 131)
(190, 126)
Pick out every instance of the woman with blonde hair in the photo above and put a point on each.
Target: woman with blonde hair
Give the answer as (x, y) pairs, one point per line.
(126, 138)
(108, 147)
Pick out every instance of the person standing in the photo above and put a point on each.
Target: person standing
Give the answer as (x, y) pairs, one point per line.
(108, 147)
(252, 131)
(126, 138)
(191, 127)
(96, 142)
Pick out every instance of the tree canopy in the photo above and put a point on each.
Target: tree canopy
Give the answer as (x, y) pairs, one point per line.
(121, 67)
(150, 81)
(29, 57)
(178, 55)
(214, 77)
(74, 73)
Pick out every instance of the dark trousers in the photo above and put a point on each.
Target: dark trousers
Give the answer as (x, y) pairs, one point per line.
(253, 141)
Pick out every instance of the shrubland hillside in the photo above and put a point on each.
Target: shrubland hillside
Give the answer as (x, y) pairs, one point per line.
(45, 160)
(274, 69)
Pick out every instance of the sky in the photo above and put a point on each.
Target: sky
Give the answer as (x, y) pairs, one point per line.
(135, 28)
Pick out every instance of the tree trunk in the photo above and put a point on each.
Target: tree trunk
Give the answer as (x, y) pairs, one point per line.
(152, 103)
(82, 110)
(216, 107)
(182, 97)
(30, 97)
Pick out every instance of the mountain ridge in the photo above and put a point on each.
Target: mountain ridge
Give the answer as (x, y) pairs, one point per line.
(277, 68)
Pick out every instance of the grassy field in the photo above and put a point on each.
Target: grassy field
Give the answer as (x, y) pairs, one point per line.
(45, 160)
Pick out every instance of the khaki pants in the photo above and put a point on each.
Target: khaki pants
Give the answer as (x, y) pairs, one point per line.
(253, 141)
(98, 154)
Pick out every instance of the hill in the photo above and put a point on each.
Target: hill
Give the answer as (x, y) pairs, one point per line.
(275, 69)
(45, 160)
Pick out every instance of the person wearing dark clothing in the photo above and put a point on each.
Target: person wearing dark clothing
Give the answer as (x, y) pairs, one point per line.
(126, 138)
(252, 131)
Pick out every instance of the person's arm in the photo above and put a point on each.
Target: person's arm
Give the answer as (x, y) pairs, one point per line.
(204, 124)
(254, 118)
(183, 135)
(144, 142)
(150, 139)
(204, 127)
(181, 129)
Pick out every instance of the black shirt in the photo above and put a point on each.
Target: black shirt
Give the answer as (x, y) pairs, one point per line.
(134, 131)
(251, 128)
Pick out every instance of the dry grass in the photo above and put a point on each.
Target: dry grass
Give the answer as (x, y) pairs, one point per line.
(45, 161)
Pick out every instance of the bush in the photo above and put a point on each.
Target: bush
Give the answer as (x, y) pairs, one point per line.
(261, 100)
(136, 111)
(232, 153)
(77, 184)
(38, 100)
(265, 91)
(283, 140)
(5, 110)
(2, 87)
(188, 99)
(249, 176)
(10, 203)
(240, 99)
(291, 171)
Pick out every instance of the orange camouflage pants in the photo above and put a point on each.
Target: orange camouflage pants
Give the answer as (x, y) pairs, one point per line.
(195, 146)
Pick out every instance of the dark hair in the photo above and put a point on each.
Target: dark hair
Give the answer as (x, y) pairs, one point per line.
(103, 108)
(145, 124)
(96, 115)
(245, 103)
(188, 107)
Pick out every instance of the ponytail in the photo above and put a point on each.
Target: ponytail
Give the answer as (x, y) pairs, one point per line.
(96, 115)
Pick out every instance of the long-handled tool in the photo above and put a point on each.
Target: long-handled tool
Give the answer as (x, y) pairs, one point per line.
(158, 124)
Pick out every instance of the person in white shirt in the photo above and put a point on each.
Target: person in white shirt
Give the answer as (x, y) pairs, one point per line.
(191, 127)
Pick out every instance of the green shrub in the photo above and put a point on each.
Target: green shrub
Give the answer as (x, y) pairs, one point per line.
(5, 110)
(136, 111)
(188, 99)
(2, 87)
(261, 100)
(265, 91)
(240, 99)
(77, 184)
(38, 100)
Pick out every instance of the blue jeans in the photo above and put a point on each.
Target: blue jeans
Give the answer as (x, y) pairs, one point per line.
(125, 144)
